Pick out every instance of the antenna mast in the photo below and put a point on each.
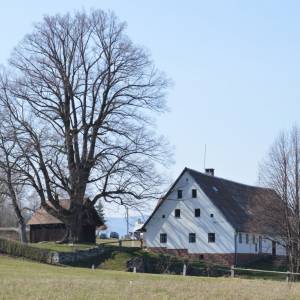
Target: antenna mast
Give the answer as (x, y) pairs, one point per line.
(127, 220)
(204, 160)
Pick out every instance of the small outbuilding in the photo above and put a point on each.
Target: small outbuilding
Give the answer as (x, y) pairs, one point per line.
(45, 227)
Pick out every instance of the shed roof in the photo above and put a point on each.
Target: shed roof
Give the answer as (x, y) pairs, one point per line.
(42, 217)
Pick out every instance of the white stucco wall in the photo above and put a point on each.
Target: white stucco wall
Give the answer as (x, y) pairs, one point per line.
(266, 244)
(178, 229)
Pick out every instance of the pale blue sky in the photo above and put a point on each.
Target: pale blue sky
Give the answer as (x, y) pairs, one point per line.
(235, 67)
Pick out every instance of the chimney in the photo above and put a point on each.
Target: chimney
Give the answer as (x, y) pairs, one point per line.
(210, 172)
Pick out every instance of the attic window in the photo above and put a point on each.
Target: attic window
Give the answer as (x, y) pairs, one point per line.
(163, 216)
(177, 213)
(211, 215)
(215, 189)
(197, 212)
(179, 194)
(194, 193)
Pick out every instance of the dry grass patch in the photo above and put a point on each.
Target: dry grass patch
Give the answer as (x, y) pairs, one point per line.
(20, 279)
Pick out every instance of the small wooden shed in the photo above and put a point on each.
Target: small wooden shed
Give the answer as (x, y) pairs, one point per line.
(45, 227)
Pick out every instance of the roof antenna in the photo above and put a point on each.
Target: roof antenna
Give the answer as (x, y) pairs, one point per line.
(204, 160)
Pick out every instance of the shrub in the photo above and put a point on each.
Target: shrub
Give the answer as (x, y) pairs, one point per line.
(15, 248)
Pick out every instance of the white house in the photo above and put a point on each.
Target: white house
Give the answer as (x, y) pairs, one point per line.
(211, 218)
(136, 233)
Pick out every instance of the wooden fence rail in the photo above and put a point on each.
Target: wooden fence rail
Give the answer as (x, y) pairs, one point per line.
(127, 242)
(288, 274)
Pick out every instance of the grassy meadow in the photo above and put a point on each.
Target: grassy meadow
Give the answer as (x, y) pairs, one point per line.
(61, 247)
(21, 279)
(70, 248)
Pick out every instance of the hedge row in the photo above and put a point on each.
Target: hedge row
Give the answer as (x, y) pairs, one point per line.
(15, 248)
(163, 263)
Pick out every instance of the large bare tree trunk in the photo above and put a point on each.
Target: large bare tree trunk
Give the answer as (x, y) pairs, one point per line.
(23, 233)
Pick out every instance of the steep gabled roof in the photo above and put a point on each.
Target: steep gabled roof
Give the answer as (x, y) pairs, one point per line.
(240, 204)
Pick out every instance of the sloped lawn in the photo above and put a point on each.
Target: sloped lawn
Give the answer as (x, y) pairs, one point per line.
(62, 247)
(20, 279)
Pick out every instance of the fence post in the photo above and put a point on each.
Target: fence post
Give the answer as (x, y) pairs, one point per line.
(232, 271)
(184, 270)
(120, 243)
(134, 269)
(287, 276)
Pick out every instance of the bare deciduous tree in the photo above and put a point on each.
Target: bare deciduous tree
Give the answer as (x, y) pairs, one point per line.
(12, 184)
(281, 172)
(81, 97)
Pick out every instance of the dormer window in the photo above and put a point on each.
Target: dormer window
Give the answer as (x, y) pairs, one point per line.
(179, 194)
(215, 189)
(194, 193)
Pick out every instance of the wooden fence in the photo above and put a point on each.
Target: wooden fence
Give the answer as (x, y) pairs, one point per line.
(124, 243)
(287, 274)
(11, 233)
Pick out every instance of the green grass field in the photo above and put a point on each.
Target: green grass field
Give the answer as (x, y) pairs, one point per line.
(61, 247)
(70, 248)
(21, 279)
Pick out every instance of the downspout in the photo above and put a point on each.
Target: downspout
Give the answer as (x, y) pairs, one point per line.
(235, 248)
